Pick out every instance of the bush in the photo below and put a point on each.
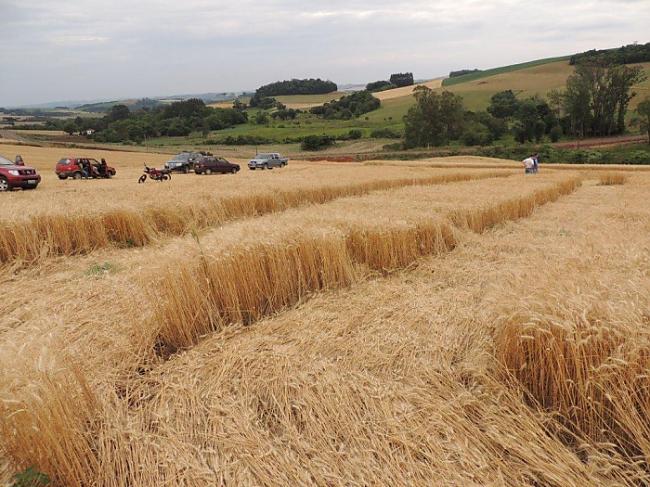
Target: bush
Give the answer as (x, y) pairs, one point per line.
(355, 134)
(385, 133)
(316, 142)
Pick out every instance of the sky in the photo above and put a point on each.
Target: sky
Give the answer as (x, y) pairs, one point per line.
(57, 50)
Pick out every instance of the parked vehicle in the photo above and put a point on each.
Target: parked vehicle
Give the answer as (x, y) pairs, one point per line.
(267, 161)
(183, 162)
(83, 167)
(155, 174)
(211, 164)
(17, 176)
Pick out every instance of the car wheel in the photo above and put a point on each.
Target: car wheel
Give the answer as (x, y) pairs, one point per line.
(208, 171)
(233, 170)
(4, 185)
(76, 175)
(185, 170)
(63, 176)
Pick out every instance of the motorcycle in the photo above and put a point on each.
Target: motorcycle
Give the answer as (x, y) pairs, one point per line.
(155, 174)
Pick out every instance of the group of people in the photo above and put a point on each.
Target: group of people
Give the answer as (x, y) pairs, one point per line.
(89, 170)
(531, 164)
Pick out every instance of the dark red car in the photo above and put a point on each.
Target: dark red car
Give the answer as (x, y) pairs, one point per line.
(82, 167)
(213, 165)
(17, 176)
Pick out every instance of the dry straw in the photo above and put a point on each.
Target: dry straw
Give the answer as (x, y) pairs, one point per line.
(60, 426)
(253, 282)
(52, 235)
(612, 178)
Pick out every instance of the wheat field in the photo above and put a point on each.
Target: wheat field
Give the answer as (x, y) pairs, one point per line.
(329, 325)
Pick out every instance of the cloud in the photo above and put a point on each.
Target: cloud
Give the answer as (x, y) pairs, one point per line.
(122, 48)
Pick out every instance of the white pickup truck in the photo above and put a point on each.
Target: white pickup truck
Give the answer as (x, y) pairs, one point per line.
(267, 161)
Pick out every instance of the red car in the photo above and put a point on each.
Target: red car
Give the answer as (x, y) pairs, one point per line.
(82, 167)
(17, 176)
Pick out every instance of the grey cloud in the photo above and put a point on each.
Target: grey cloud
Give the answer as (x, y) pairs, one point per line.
(61, 49)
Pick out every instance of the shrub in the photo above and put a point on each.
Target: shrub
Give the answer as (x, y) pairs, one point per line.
(385, 133)
(316, 142)
(355, 134)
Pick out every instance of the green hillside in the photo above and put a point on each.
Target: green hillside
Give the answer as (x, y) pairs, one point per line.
(503, 69)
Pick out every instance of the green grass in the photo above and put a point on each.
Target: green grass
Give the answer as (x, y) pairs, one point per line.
(100, 270)
(504, 69)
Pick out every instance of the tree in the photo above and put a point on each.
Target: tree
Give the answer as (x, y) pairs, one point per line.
(598, 95)
(349, 106)
(434, 119)
(261, 118)
(644, 111)
(119, 112)
(70, 127)
(402, 79)
(555, 101)
(503, 104)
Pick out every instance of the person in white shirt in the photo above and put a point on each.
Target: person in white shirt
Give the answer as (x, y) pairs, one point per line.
(529, 165)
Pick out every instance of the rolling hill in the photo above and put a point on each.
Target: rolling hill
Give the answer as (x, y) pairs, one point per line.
(526, 79)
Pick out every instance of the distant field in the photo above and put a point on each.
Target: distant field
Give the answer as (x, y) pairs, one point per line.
(534, 78)
(406, 90)
(299, 102)
(503, 69)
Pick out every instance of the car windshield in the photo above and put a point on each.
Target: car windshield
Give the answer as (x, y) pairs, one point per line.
(181, 157)
(264, 156)
(5, 162)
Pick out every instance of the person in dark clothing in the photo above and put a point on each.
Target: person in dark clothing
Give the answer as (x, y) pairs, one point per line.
(103, 168)
(536, 163)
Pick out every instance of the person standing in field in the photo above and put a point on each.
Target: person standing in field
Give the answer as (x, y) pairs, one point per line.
(536, 163)
(19, 160)
(529, 165)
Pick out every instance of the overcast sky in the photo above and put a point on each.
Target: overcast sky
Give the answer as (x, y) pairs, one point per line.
(54, 50)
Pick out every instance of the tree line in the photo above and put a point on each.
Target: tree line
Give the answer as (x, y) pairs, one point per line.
(180, 118)
(309, 86)
(632, 53)
(594, 102)
(348, 107)
(462, 72)
(396, 80)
